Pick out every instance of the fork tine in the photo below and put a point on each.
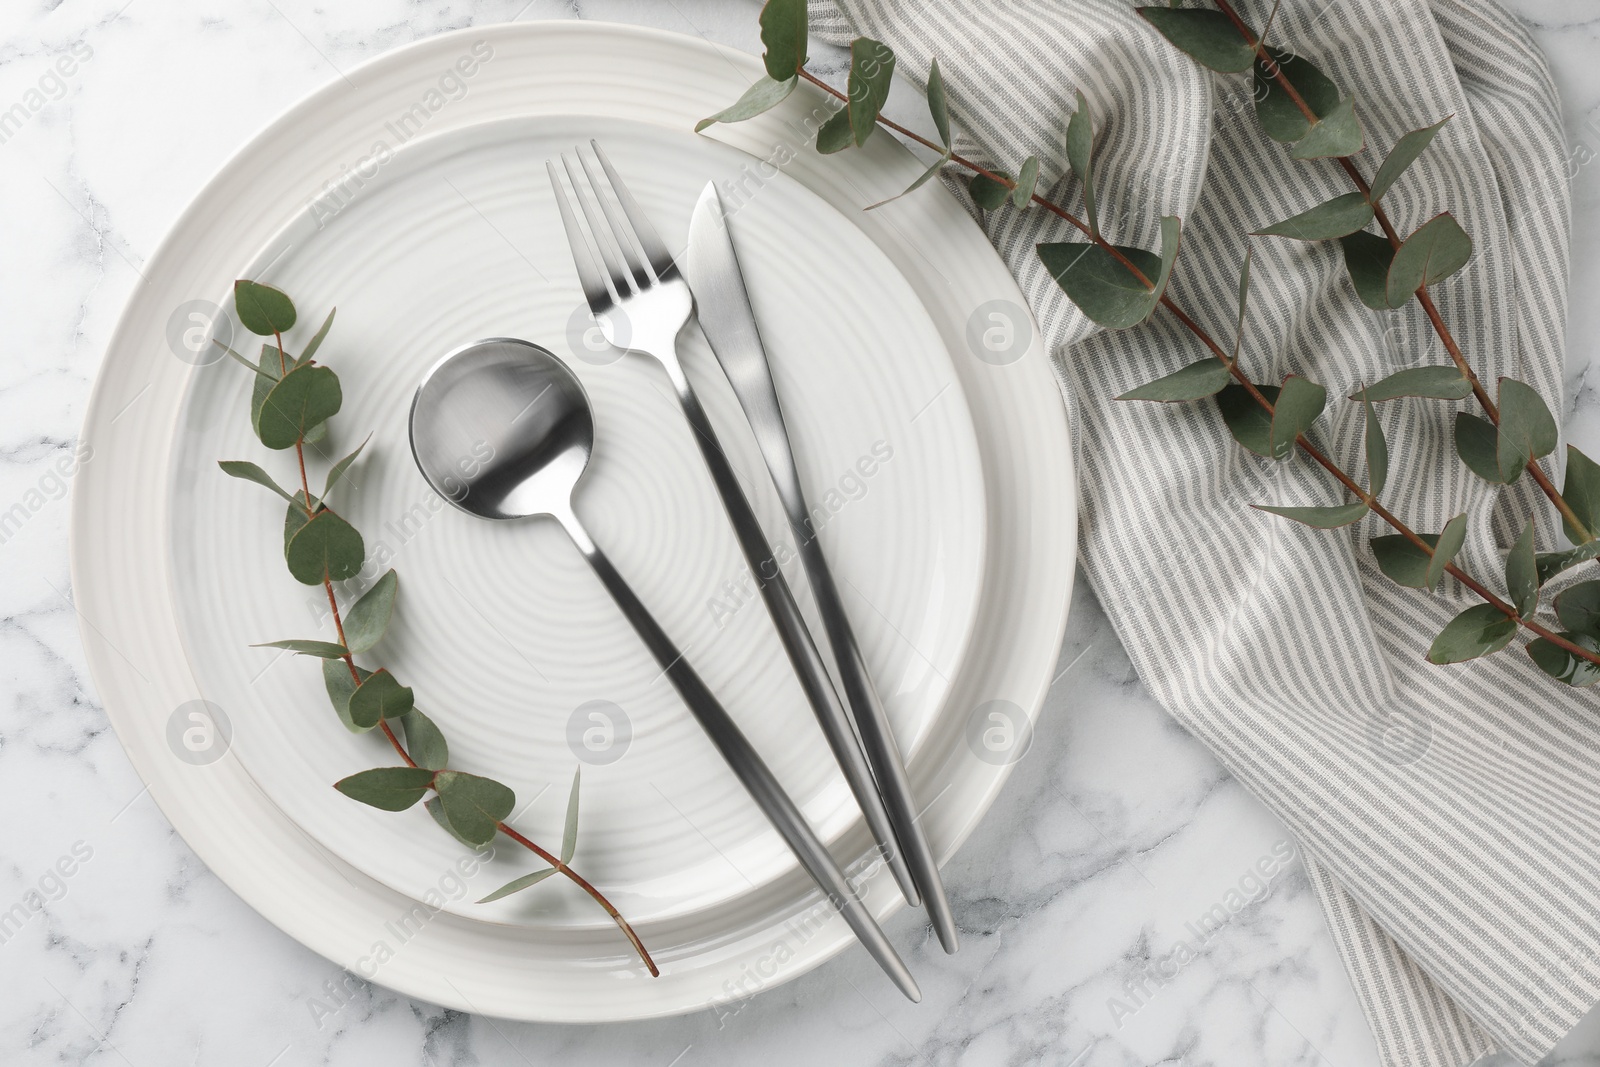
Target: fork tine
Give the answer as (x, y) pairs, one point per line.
(604, 240)
(620, 229)
(654, 251)
(590, 277)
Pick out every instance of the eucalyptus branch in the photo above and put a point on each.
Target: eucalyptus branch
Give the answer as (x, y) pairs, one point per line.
(291, 405)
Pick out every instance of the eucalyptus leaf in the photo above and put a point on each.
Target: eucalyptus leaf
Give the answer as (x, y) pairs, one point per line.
(316, 340)
(1080, 157)
(250, 472)
(425, 743)
(938, 105)
(1403, 562)
(1323, 518)
(1366, 258)
(1027, 181)
(306, 396)
(988, 193)
(1338, 217)
(517, 885)
(379, 697)
(1377, 451)
(1248, 421)
(1333, 136)
(1562, 665)
(262, 309)
(436, 809)
(1578, 608)
(835, 135)
(1551, 564)
(1437, 249)
(365, 623)
(1478, 631)
(1300, 401)
(1449, 542)
(1280, 117)
(389, 788)
(1402, 155)
(336, 679)
(269, 372)
(1477, 443)
(295, 518)
(1582, 494)
(1438, 383)
(338, 470)
(1106, 290)
(783, 31)
(1527, 429)
(764, 95)
(871, 71)
(473, 806)
(1206, 36)
(1194, 382)
(1522, 573)
(319, 649)
(922, 179)
(326, 548)
(569, 834)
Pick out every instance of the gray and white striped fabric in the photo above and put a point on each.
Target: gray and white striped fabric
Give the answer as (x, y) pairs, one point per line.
(1449, 815)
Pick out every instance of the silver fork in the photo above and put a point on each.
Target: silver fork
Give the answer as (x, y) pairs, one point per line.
(641, 303)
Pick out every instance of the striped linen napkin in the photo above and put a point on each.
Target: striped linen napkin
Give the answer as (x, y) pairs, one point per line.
(1448, 814)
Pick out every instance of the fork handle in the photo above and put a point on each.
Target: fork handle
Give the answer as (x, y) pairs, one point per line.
(807, 661)
(747, 765)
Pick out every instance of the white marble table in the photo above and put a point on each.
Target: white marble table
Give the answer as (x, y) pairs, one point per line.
(1116, 832)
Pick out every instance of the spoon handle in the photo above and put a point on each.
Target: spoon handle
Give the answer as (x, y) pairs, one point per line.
(747, 765)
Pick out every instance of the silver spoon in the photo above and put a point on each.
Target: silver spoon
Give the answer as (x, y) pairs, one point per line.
(534, 415)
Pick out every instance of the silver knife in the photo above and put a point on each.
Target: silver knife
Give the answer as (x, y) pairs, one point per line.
(726, 318)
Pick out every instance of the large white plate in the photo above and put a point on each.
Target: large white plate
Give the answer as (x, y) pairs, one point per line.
(124, 570)
(513, 648)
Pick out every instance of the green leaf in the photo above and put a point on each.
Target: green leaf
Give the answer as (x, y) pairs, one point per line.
(250, 472)
(1527, 429)
(366, 622)
(938, 105)
(305, 397)
(1367, 257)
(319, 649)
(1476, 444)
(379, 697)
(1562, 665)
(295, 519)
(262, 309)
(988, 193)
(1438, 383)
(271, 375)
(1578, 608)
(473, 806)
(1402, 155)
(1338, 217)
(1325, 518)
(871, 70)
(336, 679)
(1300, 401)
(1551, 564)
(1248, 421)
(324, 548)
(1104, 289)
(922, 179)
(1582, 494)
(424, 741)
(835, 135)
(1206, 36)
(340, 467)
(316, 340)
(1334, 136)
(1027, 181)
(1281, 119)
(1478, 631)
(1080, 157)
(1403, 562)
(783, 31)
(1437, 249)
(517, 885)
(436, 808)
(569, 835)
(1194, 382)
(1449, 542)
(1377, 451)
(1522, 573)
(389, 788)
(764, 95)
(268, 373)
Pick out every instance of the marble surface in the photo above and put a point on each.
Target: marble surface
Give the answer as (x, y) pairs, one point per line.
(1115, 834)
